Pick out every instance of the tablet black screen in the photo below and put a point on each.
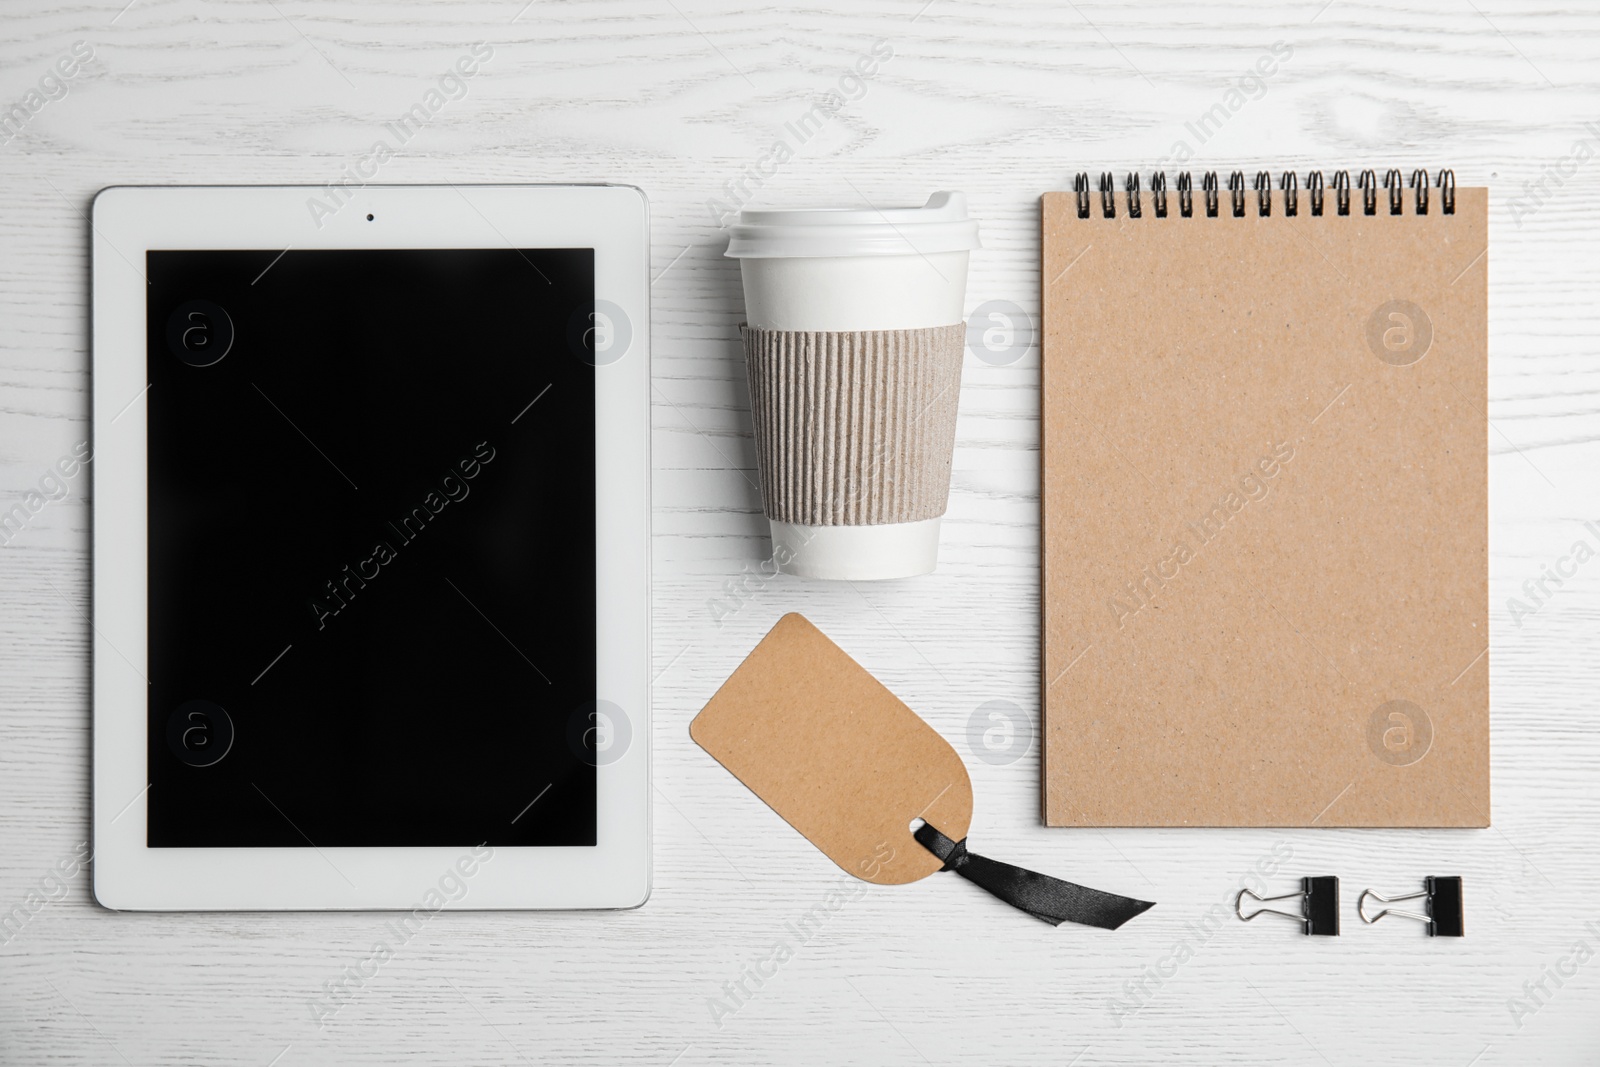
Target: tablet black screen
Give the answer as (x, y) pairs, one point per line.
(371, 548)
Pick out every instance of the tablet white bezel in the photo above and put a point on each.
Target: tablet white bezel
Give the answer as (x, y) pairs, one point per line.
(127, 221)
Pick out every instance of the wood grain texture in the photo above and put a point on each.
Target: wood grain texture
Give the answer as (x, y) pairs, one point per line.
(685, 98)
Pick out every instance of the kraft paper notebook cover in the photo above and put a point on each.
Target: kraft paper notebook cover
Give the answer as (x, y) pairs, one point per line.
(1265, 504)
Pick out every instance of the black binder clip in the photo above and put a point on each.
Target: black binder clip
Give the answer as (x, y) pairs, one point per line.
(1442, 900)
(1319, 905)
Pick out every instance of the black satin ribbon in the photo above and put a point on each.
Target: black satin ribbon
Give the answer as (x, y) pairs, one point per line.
(1041, 896)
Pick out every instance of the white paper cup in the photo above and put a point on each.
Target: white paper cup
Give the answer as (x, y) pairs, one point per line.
(845, 273)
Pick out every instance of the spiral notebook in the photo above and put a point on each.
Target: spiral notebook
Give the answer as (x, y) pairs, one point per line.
(1265, 502)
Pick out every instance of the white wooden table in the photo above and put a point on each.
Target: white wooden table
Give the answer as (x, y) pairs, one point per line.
(682, 97)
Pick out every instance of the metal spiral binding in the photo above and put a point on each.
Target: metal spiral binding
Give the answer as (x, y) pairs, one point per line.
(1080, 185)
(1236, 191)
(1369, 192)
(1394, 183)
(1158, 193)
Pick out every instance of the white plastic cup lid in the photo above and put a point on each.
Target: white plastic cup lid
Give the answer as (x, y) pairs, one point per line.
(940, 225)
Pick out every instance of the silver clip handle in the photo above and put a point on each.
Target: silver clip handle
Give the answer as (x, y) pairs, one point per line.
(1238, 905)
(1361, 906)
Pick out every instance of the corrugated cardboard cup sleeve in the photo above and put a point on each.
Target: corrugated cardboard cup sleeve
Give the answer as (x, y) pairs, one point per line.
(810, 732)
(854, 428)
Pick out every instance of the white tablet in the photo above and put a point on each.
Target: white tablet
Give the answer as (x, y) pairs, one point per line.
(371, 547)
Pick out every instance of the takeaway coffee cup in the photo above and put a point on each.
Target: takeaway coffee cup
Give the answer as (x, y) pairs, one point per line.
(854, 342)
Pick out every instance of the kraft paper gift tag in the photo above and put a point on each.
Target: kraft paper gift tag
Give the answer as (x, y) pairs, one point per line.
(851, 767)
